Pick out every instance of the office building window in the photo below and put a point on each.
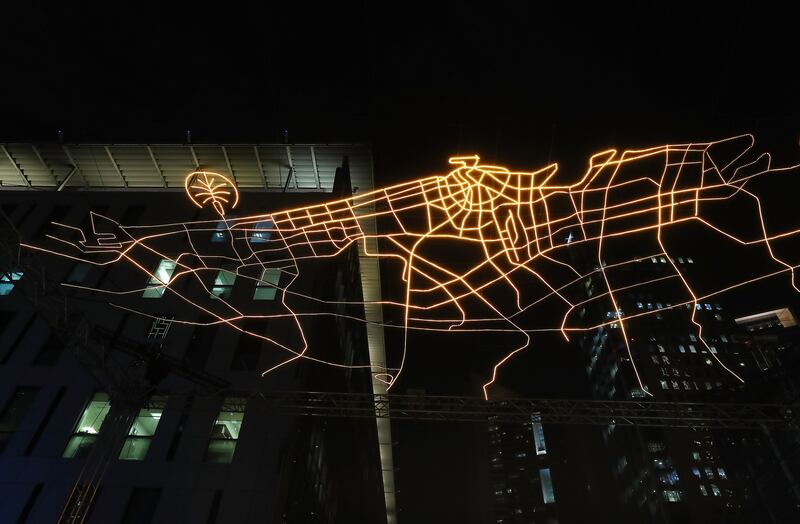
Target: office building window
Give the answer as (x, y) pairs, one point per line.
(225, 433)
(222, 231)
(142, 430)
(672, 495)
(547, 486)
(141, 505)
(223, 283)
(721, 473)
(160, 279)
(50, 352)
(25, 514)
(267, 285)
(14, 412)
(7, 281)
(262, 231)
(88, 426)
(538, 435)
(248, 349)
(703, 490)
(715, 490)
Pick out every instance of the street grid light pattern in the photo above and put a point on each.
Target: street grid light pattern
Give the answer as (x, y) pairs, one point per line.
(519, 225)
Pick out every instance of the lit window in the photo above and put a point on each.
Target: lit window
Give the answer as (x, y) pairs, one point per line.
(547, 486)
(142, 430)
(715, 490)
(713, 349)
(225, 433)
(267, 285)
(721, 473)
(653, 260)
(663, 260)
(223, 283)
(7, 281)
(261, 232)
(708, 385)
(88, 426)
(664, 384)
(680, 260)
(689, 260)
(703, 490)
(160, 279)
(14, 412)
(692, 349)
(696, 472)
(639, 305)
(222, 232)
(672, 495)
(698, 307)
(692, 337)
(696, 455)
(681, 348)
(708, 307)
(723, 338)
(538, 435)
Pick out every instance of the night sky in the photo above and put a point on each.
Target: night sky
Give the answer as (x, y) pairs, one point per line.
(520, 84)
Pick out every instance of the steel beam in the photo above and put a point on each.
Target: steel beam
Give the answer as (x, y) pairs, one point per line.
(16, 167)
(695, 415)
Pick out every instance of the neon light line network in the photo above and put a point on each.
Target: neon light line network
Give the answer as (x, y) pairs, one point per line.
(514, 234)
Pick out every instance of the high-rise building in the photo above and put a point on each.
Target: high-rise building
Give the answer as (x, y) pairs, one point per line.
(107, 415)
(520, 473)
(767, 463)
(665, 474)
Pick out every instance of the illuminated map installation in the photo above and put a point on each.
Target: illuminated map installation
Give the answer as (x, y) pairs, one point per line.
(479, 247)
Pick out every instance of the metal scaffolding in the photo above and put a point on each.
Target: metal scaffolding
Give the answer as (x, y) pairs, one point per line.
(698, 415)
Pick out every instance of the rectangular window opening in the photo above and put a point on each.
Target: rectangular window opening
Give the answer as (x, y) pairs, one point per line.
(160, 280)
(267, 285)
(225, 432)
(85, 433)
(142, 430)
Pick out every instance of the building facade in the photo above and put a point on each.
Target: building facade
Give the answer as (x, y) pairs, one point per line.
(107, 415)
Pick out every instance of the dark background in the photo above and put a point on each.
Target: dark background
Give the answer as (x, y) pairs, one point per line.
(521, 84)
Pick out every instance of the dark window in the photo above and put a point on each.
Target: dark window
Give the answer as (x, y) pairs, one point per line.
(215, 504)
(201, 343)
(43, 424)
(141, 506)
(17, 340)
(176, 437)
(245, 358)
(26, 511)
(14, 412)
(50, 352)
